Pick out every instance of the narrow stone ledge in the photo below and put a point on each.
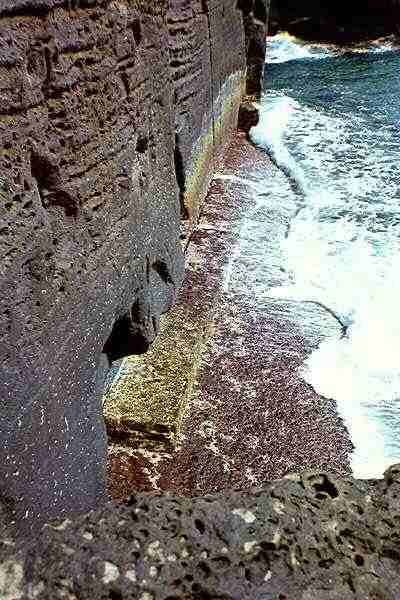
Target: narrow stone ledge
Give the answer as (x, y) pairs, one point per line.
(143, 407)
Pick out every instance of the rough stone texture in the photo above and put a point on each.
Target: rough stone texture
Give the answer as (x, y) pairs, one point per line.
(211, 44)
(144, 405)
(89, 234)
(307, 537)
(111, 116)
(256, 17)
(208, 65)
(340, 22)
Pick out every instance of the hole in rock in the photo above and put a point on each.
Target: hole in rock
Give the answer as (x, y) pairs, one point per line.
(124, 340)
(161, 268)
(205, 569)
(359, 560)
(137, 31)
(142, 144)
(180, 177)
(325, 487)
(199, 526)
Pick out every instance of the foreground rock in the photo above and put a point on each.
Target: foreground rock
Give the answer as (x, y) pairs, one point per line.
(309, 537)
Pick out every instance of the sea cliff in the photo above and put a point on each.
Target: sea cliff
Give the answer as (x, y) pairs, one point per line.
(114, 116)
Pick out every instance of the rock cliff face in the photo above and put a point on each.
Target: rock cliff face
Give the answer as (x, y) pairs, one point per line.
(112, 114)
(336, 21)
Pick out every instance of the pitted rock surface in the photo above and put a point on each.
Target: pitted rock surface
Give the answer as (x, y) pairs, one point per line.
(112, 115)
(90, 255)
(309, 536)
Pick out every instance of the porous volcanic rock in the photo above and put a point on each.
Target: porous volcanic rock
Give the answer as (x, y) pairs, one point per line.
(112, 114)
(309, 537)
(90, 255)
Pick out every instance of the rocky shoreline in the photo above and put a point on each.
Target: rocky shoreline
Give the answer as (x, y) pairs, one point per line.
(248, 417)
(108, 145)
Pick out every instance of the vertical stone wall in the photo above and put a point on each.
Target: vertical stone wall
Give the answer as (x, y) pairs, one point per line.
(255, 17)
(208, 66)
(89, 233)
(112, 115)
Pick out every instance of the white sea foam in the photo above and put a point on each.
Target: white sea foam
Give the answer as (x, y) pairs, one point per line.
(284, 47)
(275, 117)
(341, 253)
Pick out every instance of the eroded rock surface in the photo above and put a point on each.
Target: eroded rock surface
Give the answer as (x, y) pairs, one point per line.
(89, 236)
(309, 537)
(111, 116)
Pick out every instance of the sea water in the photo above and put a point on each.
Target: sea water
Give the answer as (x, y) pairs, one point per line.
(330, 120)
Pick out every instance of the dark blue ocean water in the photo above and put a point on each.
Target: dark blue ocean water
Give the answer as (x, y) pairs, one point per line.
(331, 121)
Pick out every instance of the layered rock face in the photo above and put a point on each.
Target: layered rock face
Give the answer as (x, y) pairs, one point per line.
(212, 43)
(89, 235)
(111, 116)
(208, 64)
(336, 21)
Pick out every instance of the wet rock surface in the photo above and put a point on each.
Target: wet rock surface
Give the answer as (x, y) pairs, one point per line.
(310, 536)
(244, 414)
(255, 16)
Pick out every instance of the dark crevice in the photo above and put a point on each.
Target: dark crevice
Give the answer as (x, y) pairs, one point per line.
(142, 144)
(161, 268)
(43, 171)
(260, 11)
(124, 340)
(48, 185)
(245, 6)
(325, 486)
(41, 9)
(47, 58)
(137, 31)
(180, 177)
